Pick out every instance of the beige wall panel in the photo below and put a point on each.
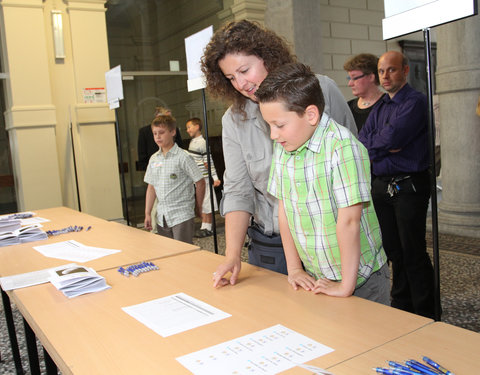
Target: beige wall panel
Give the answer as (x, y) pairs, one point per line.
(30, 116)
(35, 162)
(93, 129)
(27, 54)
(63, 95)
(90, 49)
(98, 177)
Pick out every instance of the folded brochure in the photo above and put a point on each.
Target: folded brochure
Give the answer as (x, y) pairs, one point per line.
(74, 280)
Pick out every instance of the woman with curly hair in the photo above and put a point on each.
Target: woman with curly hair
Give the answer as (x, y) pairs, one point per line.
(236, 61)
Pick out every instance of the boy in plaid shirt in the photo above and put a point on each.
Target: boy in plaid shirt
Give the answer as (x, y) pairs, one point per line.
(321, 175)
(171, 175)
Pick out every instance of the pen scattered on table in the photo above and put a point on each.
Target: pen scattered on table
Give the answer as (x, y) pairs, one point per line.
(21, 215)
(434, 364)
(399, 366)
(69, 229)
(413, 367)
(137, 269)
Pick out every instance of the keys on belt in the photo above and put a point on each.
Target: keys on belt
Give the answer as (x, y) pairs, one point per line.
(393, 188)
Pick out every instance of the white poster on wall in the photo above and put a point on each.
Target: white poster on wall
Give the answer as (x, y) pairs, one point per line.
(407, 16)
(194, 46)
(113, 79)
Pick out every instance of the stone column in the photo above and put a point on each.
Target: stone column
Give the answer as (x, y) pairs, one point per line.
(458, 87)
(298, 22)
(93, 124)
(237, 10)
(30, 111)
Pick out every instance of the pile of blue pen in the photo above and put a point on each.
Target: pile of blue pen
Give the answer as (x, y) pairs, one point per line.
(21, 215)
(69, 229)
(137, 269)
(412, 367)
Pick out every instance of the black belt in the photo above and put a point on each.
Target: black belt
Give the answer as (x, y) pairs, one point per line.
(400, 176)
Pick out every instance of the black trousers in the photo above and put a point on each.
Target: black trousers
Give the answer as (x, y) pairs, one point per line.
(402, 220)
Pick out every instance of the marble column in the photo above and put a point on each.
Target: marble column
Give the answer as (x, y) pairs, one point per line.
(458, 87)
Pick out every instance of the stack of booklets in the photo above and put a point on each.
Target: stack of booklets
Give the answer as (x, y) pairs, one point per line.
(74, 280)
(8, 224)
(19, 235)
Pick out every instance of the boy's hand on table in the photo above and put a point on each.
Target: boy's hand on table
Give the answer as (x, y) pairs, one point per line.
(230, 265)
(332, 288)
(299, 278)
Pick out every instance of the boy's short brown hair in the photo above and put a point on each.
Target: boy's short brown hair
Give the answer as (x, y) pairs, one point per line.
(293, 84)
(196, 121)
(162, 111)
(167, 121)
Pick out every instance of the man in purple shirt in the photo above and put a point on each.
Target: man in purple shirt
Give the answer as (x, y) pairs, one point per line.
(395, 135)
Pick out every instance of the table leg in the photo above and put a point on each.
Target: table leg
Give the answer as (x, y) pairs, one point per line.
(31, 342)
(50, 366)
(7, 308)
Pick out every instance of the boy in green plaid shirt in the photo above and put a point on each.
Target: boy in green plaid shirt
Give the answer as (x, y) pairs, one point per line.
(321, 175)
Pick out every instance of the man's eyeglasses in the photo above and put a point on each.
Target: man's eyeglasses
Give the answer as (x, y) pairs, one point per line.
(355, 78)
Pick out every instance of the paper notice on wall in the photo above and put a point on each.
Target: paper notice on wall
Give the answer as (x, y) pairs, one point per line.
(94, 95)
(113, 79)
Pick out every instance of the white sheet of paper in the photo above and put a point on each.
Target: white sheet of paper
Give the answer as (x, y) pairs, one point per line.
(194, 47)
(33, 220)
(174, 314)
(28, 279)
(113, 80)
(316, 370)
(73, 251)
(265, 352)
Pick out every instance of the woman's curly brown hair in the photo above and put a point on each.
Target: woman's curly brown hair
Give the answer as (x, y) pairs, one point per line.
(244, 37)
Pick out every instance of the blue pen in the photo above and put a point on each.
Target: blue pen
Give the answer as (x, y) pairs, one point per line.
(406, 370)
(89, 227)
(434, 364)
(402, 367)
(420, 367)
(386, 371)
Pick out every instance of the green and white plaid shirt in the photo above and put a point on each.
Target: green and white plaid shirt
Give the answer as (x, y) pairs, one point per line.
(330, 171)
(173, 176)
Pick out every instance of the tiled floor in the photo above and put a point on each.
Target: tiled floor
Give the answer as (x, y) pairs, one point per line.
(459, 286)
